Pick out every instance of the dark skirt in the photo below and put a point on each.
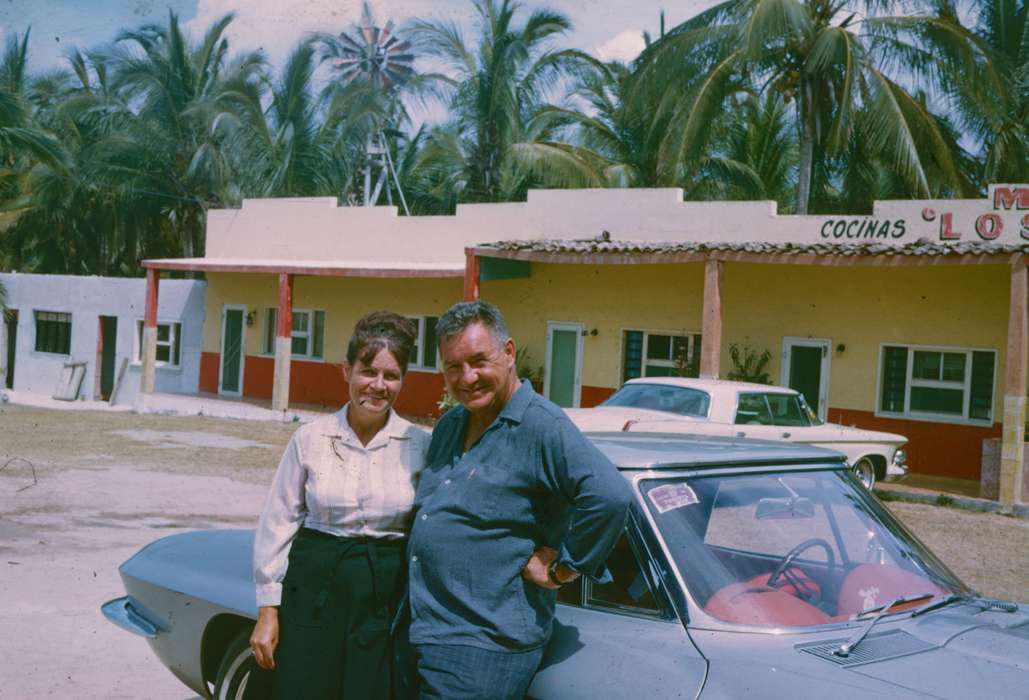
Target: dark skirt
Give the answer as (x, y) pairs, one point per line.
(338, 600)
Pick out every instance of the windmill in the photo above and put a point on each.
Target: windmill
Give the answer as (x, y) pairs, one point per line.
(378, 57)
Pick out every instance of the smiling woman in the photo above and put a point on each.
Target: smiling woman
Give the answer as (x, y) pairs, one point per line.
(328, 555)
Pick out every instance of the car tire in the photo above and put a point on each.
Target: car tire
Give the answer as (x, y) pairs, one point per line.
(865, 471)
(234, 671)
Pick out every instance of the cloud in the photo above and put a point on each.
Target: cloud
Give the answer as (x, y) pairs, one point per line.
(275, 26)
(624, 46)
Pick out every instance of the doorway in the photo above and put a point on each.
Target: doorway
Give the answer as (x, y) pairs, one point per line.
(230, 372)
(805, 367)
(107, 345)
(562, 380)
(11, 326)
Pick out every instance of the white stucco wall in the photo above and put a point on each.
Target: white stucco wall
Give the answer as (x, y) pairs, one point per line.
(86, 299)
(315, 228)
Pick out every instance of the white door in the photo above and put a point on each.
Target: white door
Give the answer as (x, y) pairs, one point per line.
(562, 378)
(230, 368)
(805, 368)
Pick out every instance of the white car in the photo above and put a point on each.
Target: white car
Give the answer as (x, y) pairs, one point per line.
(740, 409)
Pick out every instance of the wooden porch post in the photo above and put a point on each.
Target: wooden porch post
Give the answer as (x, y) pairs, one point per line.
(149, 349)
(283, 343)
(471, 276)
(1012, 465)
(711, 338)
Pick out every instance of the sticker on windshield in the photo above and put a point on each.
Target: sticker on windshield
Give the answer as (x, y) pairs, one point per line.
(671, 496)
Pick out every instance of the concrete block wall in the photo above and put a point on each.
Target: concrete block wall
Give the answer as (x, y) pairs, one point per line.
(86, 299)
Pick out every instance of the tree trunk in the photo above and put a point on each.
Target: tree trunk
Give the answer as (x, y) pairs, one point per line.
(806, 138)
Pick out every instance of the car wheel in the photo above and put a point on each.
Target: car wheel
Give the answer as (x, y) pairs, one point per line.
(234, 670)
(865, 471)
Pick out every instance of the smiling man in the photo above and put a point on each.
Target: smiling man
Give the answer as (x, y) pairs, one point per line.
(513, 503)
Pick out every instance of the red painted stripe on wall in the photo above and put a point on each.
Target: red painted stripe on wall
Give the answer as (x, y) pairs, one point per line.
(321, 383)
(593, 395)
(939, 449)
(209, 372)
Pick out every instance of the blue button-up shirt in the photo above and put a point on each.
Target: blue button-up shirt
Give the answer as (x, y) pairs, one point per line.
(532, 479)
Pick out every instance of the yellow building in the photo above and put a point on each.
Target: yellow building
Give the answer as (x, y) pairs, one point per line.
(910, 320)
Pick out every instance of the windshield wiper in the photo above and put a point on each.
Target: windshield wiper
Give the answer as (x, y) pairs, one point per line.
(984, 604)
(944, 601)
(845, 649)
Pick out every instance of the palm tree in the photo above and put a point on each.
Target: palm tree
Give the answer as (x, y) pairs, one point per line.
(824, 62)
(985, 77)
(753, 154)
(290, 148)
(22, 144)
(189, 106)
(495, 141)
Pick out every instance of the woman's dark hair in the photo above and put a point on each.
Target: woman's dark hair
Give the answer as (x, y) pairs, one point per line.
(378, 330)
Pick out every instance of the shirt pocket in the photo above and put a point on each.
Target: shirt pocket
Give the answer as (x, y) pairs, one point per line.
(485, 488)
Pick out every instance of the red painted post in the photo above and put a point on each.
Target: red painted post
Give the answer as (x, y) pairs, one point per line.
(471, 276)
(284, 328)
(153, 280)
(149, 349)
(283, 343)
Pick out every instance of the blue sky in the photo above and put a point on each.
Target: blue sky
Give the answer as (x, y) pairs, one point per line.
(610, 29)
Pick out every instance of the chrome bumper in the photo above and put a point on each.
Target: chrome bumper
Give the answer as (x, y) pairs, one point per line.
(121, 612)
(898, 468)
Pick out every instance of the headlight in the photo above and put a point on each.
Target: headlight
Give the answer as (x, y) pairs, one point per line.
(899, 457)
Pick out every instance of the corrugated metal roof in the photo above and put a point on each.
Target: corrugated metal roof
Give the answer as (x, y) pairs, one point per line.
(602, 244)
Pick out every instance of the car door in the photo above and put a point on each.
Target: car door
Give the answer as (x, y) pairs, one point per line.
(619, 639)
(754, 418)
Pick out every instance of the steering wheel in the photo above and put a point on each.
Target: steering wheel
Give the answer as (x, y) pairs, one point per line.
(804, 591)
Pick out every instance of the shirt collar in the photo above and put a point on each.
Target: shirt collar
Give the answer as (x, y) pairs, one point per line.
(514, 409)
(395, 429)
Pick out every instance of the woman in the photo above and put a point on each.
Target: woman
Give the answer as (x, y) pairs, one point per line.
(329, 551)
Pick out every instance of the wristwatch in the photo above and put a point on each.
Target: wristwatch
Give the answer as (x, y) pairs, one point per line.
(552, 573)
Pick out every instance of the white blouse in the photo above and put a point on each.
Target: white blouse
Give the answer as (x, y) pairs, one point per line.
(328, 481)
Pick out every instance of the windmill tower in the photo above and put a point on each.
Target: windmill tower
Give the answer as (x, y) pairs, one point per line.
(378, 57)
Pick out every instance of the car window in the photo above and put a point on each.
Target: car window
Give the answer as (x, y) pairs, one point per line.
(681, 401)
(786, 410)
(630, 590)
(752, 409)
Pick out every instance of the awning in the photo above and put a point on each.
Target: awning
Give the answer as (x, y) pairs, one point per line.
(324, 268)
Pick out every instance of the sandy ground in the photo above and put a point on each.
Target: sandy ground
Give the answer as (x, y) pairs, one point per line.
(108, 483)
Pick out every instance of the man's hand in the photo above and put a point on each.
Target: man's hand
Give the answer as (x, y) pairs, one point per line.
(265, 637)
(535, 570)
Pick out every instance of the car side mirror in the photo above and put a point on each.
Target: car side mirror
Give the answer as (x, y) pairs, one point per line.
(784, 508)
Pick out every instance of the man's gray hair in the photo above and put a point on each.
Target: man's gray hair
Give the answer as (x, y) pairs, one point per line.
(465, 313)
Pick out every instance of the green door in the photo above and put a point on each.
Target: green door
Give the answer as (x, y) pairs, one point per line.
(806, 374)
(563, 375)
(232, 351)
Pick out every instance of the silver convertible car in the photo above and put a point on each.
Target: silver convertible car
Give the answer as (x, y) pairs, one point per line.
(747, 569)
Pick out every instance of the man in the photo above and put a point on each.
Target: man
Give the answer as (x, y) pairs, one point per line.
(512, 504)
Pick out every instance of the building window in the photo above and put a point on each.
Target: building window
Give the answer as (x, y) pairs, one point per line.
(654, 354)
(308, 337)
(169, 343)
(937, 382)
(423, 355)
(53, 332)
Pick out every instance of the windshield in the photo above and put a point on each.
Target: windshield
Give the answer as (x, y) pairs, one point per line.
(679, 400)
(789, 548)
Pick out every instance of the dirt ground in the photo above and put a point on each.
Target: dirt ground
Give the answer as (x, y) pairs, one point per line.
(108, 483)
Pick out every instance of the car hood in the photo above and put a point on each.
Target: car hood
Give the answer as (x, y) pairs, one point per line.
(834, 432)
(970, 655)
(615, 417)
(956, 652)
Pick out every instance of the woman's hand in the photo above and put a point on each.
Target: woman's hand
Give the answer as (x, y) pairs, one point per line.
(265, 637)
